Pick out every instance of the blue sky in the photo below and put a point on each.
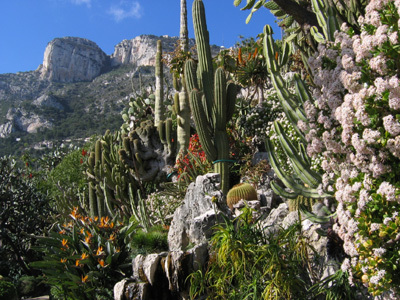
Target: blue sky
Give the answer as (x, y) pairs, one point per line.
(26, 26)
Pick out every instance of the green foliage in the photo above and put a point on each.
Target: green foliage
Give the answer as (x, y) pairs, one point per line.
(7, 290)
(67, 181)
(24, 211)
(247, 262)
(85, 257)
(153, 241)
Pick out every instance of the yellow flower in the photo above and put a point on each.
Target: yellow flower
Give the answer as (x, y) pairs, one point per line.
(84, 256)
(63, 260)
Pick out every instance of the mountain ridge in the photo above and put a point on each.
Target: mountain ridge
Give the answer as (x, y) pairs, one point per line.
(76, 82)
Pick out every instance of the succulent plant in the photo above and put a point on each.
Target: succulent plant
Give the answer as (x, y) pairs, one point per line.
(241, 191)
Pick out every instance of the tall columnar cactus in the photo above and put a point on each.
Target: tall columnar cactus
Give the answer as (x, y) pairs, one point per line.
(212, 99)
(181, 99)
(182, 109)
(159, 105)
(183, 35)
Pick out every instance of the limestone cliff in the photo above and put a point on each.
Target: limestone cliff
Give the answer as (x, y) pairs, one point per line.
(72, 59)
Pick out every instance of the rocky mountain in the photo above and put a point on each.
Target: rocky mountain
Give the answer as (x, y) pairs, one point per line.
(77, 91)
(72, 59)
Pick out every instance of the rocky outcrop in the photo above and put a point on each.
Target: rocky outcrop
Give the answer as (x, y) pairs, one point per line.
(163, 275)
(193, 220)
(21, 120)
(48, 101)
(72, 59)
(6, 129)
(141, 50)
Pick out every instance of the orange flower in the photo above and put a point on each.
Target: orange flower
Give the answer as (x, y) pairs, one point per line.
(84, 279)
(84, 256)
(111, 225)
(87, 240)
(101, 262)
(82, 231)
(99, 251)
(65, 243)
(63, 260)
(77, 263)
(62, 232)
(112, 237)
(118, 249)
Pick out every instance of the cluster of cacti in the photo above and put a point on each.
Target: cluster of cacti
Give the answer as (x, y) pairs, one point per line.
(241, 191)
(212, 99)
(140, 109)
(293, 108)
(108, 178)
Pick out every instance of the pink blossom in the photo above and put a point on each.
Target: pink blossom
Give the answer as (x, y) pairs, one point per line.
(391, 125)
(387, 190)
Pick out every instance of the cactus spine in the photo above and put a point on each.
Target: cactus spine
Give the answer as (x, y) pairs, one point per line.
(212, 99)
(159, 107)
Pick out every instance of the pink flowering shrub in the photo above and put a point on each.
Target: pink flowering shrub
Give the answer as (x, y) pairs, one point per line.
(355, 124)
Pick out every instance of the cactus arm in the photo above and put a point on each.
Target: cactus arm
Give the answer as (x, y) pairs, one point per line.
(190, 75)
(231, 92)
(205, 71)
(301, 89)
(183, 129)
(201, 125)
(281, 192)
(159, 107)
(220, 100)
(289, 182)
(301, 167)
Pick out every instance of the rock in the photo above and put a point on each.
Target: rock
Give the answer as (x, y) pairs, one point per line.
(72, 59)
(48, 101)
(141, 50)
(6, 129)
(193, 220)
(137, 267)
(119, 289)
(137, 291)
(150, 265)
(277, 215)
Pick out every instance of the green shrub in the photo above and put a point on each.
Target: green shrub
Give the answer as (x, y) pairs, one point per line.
(7, 290)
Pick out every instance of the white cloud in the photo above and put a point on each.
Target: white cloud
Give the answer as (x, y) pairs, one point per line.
(79, 2)
(125, 9)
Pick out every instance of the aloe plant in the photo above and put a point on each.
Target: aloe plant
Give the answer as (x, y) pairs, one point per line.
(212, 98)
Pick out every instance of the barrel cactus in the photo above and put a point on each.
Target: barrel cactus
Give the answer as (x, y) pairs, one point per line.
(241, 191)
